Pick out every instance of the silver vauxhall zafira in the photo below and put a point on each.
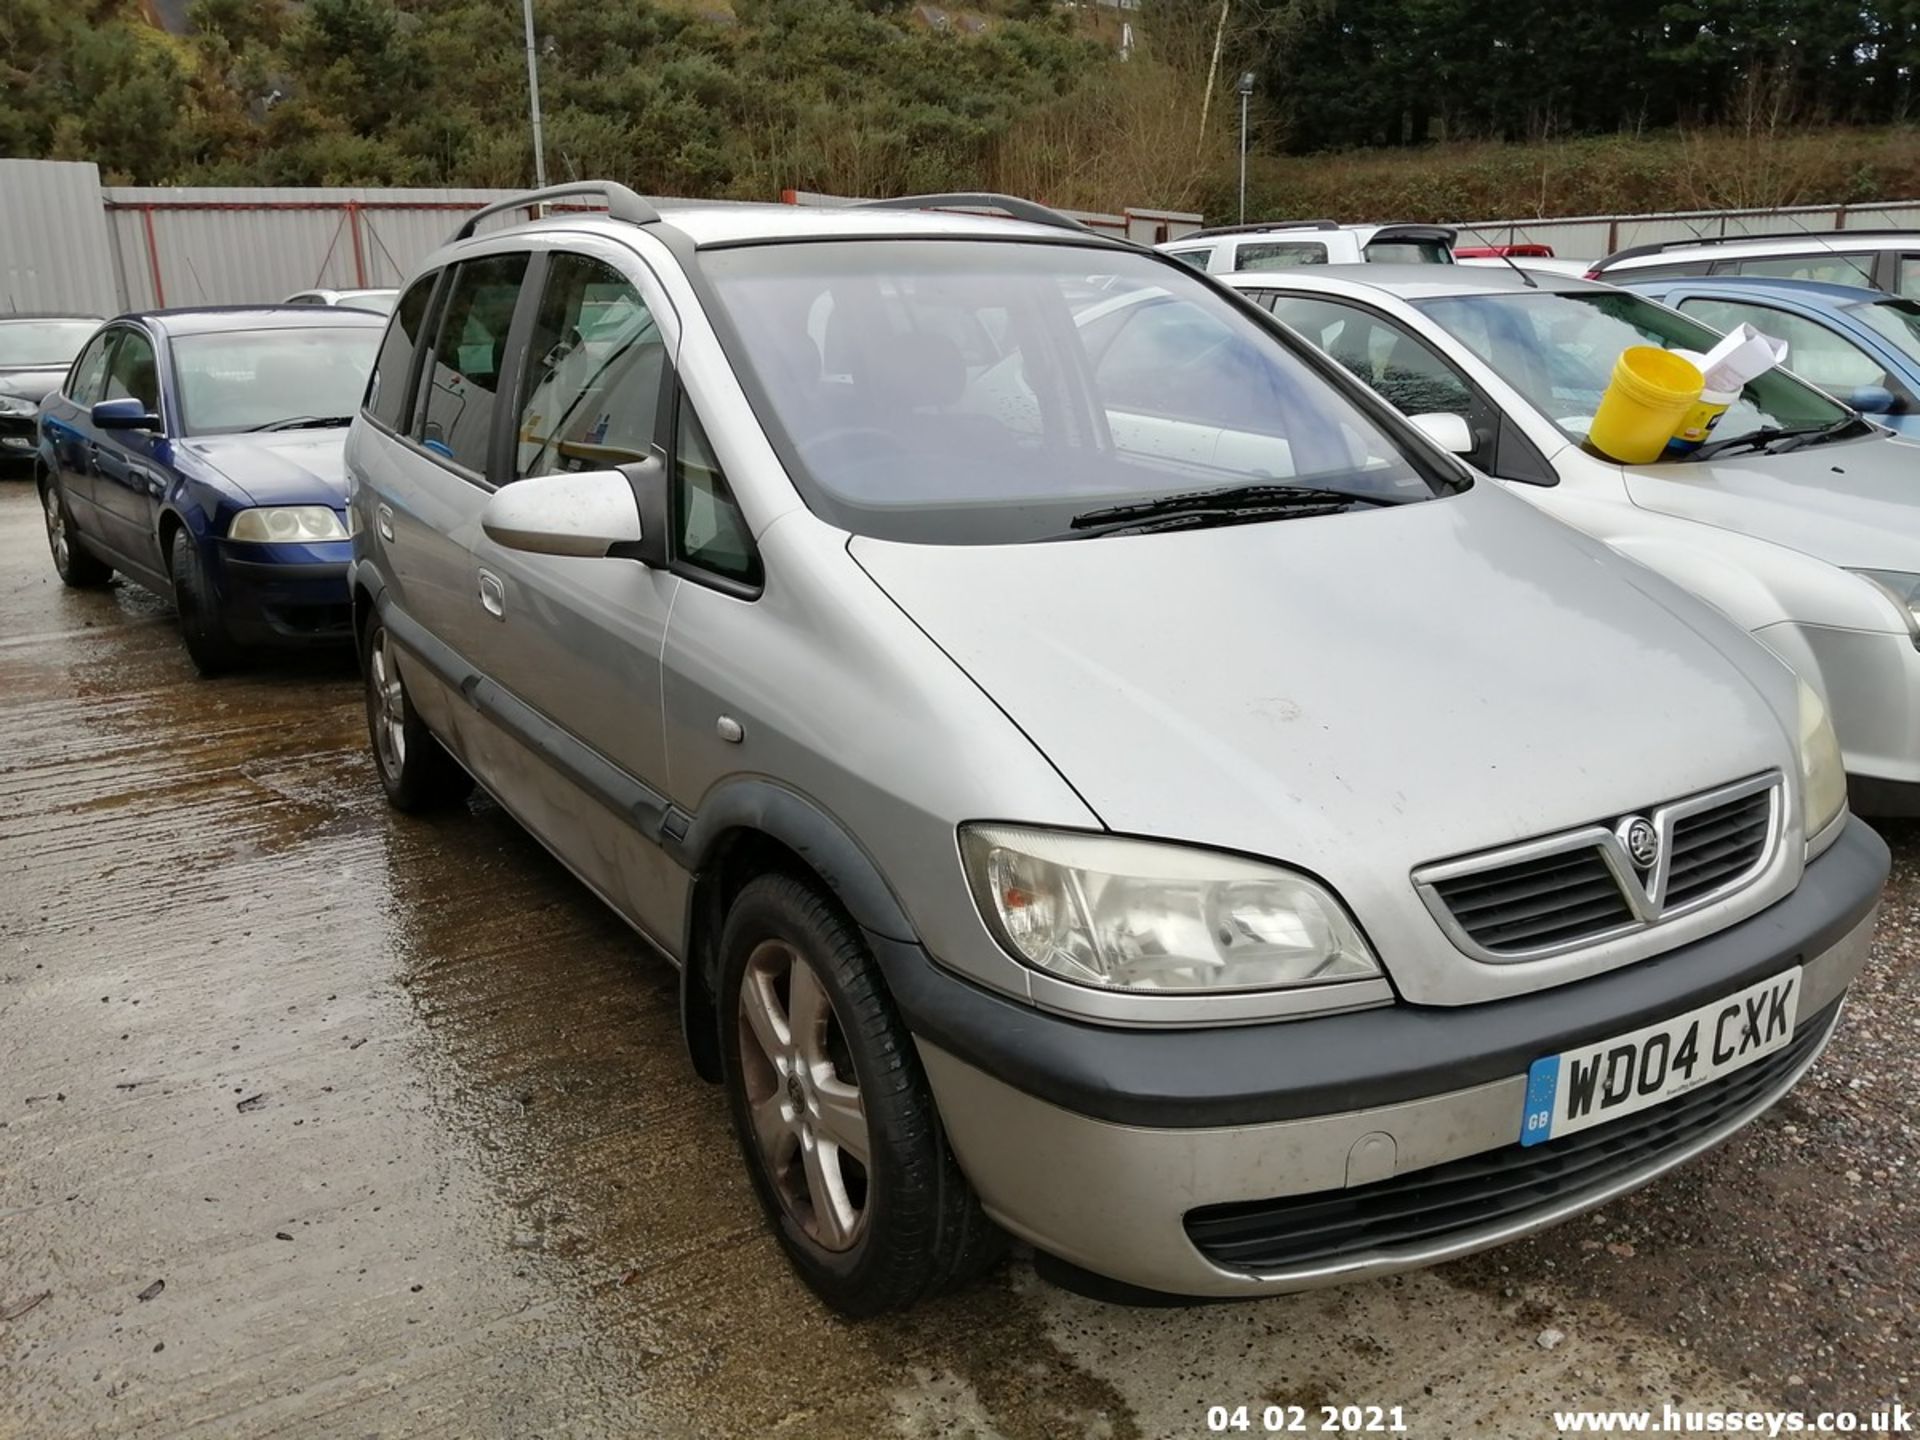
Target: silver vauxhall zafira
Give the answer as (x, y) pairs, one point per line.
(1101, 775)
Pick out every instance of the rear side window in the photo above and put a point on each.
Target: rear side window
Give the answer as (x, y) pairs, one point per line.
(1833, 269)
(90, 370)
(1199, 258)
(387, 387)
(1279, 255)
(591, 395)
(1409, 252)
(464, 378)
(1665, 270)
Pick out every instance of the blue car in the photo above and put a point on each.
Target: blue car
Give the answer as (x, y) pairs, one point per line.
(1861, 346)
(198, 453)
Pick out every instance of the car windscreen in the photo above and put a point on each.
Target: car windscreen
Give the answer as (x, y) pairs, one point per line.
(1558, 350)
(249, 379)
(979, 392)
(1895, 321)
(52, 343)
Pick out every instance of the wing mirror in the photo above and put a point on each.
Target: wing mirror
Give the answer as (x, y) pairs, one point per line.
(584, 513)
(1450, 432)
(126, 413)
(1873, 400)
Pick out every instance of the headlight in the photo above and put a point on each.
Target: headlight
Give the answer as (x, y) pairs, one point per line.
(17, 405)
(1135, 915)
(1903, 590)
(287, 524)
(1823, 774)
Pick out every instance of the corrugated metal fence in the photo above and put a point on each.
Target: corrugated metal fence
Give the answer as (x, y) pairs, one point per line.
(55, 249)
(67, 242)
(210, 246)
(1588, 237)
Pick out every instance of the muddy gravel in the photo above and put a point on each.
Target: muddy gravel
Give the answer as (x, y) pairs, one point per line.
(320, 1121)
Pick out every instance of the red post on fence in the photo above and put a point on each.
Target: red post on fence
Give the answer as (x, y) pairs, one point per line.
(153, 257)
(359, 256)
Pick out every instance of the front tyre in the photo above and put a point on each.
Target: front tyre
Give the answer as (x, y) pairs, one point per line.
(833, 1112)
(415, 770)
(202, 628)
(72, 561)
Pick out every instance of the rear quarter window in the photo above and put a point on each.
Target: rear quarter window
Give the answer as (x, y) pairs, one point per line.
(1198, 258)
(387, 386)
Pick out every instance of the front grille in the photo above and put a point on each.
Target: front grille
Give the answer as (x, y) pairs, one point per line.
(1429, 1207)
(1551, 901)
(1717, 845)
(1583, 886)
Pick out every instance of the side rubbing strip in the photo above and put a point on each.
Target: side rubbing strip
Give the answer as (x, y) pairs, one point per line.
(586, 767)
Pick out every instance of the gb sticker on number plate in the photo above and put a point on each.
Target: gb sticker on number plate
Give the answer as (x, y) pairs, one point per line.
(1601, 1082)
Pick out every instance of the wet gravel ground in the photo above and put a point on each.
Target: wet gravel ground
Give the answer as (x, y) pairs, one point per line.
(320, 1121)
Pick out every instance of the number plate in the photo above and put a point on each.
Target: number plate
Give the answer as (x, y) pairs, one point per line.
(1601, 1082)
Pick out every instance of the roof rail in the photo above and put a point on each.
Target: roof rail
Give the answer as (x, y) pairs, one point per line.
(1029, 210)
(1257, 227)
(1659, 247)
(622, 203)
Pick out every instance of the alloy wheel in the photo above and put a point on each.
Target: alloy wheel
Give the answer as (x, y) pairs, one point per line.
(56, 527)
(390, 705)
(809, 1121)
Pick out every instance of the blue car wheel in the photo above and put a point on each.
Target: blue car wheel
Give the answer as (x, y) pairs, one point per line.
(209, 645)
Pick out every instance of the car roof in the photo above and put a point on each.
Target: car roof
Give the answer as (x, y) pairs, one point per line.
(13, 315)
(1767, 285)
(1307, 229)
(1411, 282)
(213, 319)
(1810, 242)
(712, 225)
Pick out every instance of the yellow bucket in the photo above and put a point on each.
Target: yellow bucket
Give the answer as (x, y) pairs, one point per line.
(1651, 392)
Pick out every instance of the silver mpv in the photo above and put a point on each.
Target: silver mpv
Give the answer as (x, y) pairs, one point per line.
(1101, 775)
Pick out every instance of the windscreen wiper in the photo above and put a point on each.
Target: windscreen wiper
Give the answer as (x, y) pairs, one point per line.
(1778, 439)
(304, 422)
(1226, 503)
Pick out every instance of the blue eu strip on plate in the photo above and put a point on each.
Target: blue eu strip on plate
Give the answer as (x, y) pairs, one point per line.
(1543, 1084)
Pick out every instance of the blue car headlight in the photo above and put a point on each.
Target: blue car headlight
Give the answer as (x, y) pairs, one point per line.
(287, 525)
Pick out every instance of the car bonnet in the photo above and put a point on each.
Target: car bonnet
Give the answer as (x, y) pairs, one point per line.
(1853, 503)
(1357, 695)
(286, 467)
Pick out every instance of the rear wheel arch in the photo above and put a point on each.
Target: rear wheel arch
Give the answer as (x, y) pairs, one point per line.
(364, 606)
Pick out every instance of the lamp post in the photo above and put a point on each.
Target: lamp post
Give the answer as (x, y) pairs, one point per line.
(1246, 90)
(533, 100)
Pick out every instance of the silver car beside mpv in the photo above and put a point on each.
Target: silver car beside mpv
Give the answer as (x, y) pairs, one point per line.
(1101, 774)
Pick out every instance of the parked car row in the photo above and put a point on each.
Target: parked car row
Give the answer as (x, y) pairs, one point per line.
(198, 453)
(1103, 773)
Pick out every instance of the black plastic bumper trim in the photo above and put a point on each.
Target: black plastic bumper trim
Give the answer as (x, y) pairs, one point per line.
(1289, 1070)
(256, 572)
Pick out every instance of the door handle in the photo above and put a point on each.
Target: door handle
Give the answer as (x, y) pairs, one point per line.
(383, 521)
(493, 595)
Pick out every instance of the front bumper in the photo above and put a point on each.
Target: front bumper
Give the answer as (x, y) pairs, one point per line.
(286, 595)
(18, 441)
(1116, 1150)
